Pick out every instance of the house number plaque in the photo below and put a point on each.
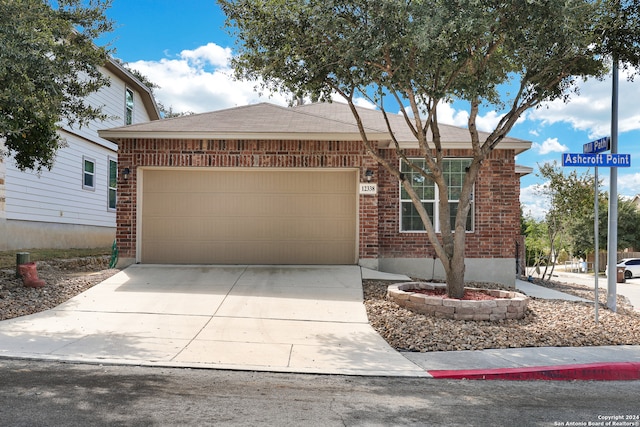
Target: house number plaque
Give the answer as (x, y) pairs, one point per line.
(368, 188)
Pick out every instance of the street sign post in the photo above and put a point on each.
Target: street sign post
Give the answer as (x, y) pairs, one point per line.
(592, 157)
(597, 146)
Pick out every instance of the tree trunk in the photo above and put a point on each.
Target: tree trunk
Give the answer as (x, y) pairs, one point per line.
(455, 278)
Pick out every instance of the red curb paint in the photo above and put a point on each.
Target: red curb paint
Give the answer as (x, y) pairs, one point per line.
(622, 371)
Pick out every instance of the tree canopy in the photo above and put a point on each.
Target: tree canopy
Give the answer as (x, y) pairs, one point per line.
(48, 65)
(419, 54)
(569, 223)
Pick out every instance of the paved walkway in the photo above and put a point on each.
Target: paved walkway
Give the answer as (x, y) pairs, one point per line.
(268, 318)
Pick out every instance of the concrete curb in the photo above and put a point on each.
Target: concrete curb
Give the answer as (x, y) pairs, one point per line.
(621, 371)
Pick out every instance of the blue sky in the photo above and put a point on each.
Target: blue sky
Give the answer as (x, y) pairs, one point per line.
(183, 47)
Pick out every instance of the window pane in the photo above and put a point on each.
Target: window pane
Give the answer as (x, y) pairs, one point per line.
(88, 174)
(88, 166)
(453, 210)
(113, 174)
(128, 107)
(88, 180)
(129, 99)
(455, 171)
(411, 221)
(112, 198)
(423, 186)
(454, 175)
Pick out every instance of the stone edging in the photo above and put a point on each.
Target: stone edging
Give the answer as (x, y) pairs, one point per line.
(508, 305)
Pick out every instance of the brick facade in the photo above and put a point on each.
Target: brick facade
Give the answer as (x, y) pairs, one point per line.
(497, 208)
(497, 212)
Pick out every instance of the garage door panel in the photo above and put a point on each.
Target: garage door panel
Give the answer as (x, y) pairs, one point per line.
(225, 229)
(266, 252)
(249, 217)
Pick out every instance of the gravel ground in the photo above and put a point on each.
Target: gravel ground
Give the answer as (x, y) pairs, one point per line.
(547, 322)
(64, 280)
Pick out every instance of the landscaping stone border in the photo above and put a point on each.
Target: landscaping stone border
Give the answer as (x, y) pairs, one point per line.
(507, 305)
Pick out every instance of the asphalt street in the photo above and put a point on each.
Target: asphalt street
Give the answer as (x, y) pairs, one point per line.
(36, 393)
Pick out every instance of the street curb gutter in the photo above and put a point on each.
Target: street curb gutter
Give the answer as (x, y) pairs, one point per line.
(622, 371)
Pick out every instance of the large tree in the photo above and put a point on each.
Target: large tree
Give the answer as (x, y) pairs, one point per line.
(570, 200)
(420, 54)
(48, 65)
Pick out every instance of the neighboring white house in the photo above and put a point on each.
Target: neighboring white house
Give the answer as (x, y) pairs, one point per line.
(74, 204)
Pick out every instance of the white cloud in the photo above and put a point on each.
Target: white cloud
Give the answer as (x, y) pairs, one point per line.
(211, 53)
(358, 101)
(591, 110)
(550, 145)
(533, 203)
(450, 116)
(488, 122)
(364, 103)
(629, 184)
(201, 80)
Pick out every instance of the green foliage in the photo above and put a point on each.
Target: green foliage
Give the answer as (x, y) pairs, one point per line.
(48, 65)
(421, 53)
(571, 199)
(572, 212)
(537, 246)
(619, 23)
(628, 221)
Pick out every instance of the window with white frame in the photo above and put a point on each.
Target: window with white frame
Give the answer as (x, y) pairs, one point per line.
(454, 173)
(88, 173)
(128, 102)
(112, 184)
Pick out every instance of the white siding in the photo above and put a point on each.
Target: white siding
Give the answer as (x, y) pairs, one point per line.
(52, 209)
(57, 196)
(111, 99)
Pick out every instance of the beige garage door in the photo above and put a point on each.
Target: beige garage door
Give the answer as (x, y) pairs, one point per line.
(249, 217)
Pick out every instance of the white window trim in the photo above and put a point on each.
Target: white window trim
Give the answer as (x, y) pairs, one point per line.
(436, 206)
(84, 172)
(109, 188)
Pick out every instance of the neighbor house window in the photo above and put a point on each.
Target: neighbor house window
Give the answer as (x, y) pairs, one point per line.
(454, 171)
(128, 107)
(112, 184)
(88, 173)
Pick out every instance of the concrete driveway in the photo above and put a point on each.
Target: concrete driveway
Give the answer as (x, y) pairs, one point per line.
(307, 319)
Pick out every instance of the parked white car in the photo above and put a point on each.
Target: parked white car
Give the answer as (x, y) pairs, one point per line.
(631, 267)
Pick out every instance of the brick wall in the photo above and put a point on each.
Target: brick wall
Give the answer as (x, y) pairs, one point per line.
(133, 153)
(497, 210)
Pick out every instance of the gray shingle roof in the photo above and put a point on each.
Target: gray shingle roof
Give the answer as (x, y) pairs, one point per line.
(319, 121)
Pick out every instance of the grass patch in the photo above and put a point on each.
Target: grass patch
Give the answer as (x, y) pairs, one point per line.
(8, 258)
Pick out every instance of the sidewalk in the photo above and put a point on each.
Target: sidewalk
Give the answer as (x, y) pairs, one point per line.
(547, 363)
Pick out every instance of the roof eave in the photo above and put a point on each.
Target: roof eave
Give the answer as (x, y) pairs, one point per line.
(523, 170)
(117, 135)
(517, 146)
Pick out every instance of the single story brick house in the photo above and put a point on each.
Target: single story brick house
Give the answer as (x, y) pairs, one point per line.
(263, 184)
